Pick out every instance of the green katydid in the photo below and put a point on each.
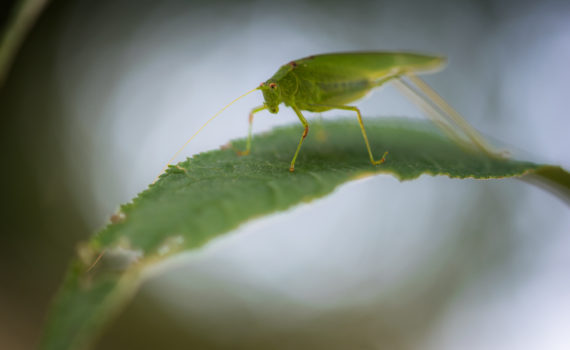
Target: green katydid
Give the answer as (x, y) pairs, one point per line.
(332, 81)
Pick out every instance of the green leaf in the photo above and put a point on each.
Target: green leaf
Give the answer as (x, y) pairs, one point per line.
(215, 192)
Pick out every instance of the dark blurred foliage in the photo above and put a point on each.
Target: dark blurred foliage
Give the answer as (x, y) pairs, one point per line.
(6, 9)
(40, 223)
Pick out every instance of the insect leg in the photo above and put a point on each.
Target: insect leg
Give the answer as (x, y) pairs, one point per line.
(305, 132)
(431, 96)
(249, 135)
(354, 109)
(385, 79)
(432, 113)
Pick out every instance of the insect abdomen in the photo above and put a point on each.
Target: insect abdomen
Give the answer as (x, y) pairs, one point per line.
(344, 91)
(344, 86)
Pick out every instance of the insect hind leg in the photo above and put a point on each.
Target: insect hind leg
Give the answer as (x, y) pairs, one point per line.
(455, 122)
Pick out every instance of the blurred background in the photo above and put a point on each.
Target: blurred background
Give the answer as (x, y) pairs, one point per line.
(102, 93)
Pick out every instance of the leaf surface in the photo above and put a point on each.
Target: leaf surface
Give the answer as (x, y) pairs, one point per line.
(215, 192)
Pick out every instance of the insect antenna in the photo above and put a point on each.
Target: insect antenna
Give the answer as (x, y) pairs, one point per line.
(96, 261)
(199, 130)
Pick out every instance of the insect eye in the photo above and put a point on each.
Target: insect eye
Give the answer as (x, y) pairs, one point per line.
(273, 85)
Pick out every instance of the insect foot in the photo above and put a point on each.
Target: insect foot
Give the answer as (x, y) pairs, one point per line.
(382, 160)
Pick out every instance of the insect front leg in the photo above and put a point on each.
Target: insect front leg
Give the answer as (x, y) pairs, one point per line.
(249, 134)
(354, 109)
(305, 132)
